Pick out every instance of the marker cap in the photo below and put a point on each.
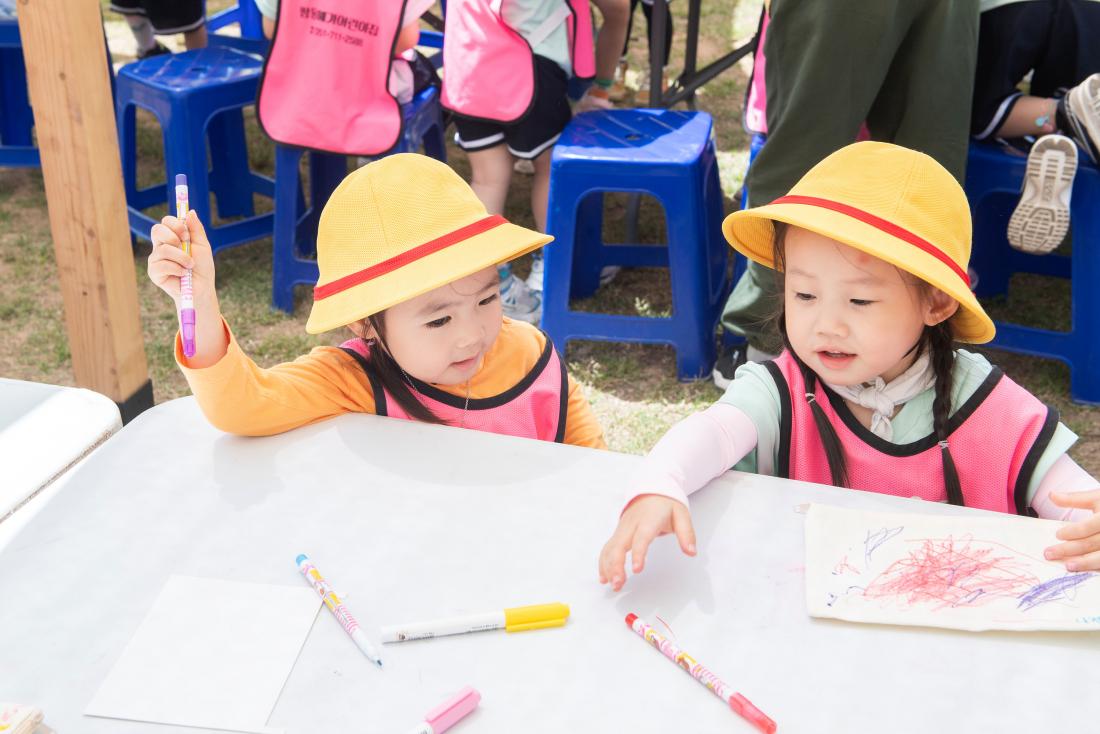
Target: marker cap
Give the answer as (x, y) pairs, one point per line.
(448, 713)
(181, 179)
(539, 616)
(758, 718)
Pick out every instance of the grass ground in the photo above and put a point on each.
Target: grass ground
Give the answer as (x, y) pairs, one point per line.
(632, 388)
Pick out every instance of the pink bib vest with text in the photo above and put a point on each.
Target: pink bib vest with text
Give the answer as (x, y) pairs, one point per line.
(325, 82)
(996, 439)
(490, 68)
(535, 407)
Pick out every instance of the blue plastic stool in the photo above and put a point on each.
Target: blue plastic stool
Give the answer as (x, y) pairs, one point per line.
(669, 155)
(295, 234)
(993, 182)
(245, 13)
(17, 148)
(196, 96)
(247, 16)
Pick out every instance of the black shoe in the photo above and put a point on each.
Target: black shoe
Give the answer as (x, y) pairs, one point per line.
(156, 50)
(729, 359)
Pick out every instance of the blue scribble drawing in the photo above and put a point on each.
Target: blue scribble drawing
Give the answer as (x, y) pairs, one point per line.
(830, 599)
(1053, 590)
(877, 538)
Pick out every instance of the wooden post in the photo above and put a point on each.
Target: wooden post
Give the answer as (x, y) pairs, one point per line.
(74, 118)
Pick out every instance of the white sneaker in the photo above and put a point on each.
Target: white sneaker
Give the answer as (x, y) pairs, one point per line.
(1041, 218)
(594, 99)
(534, 278)
(520, 302)
(1082, 107)
(608, 273)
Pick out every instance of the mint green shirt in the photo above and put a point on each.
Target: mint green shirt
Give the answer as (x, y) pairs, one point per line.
(526, 16)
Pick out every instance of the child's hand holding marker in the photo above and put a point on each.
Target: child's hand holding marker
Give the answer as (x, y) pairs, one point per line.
(647, 518)
(167, 265)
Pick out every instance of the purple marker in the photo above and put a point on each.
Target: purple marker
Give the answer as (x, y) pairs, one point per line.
(187, 297)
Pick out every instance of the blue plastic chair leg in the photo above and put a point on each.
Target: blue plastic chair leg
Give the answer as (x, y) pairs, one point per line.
(284, 256)
(16, 118)
(230, 177)
(295, 225)
(587, 246)
(325, 174)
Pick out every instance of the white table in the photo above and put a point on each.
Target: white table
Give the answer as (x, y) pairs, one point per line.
(413, 521)
(44, 430)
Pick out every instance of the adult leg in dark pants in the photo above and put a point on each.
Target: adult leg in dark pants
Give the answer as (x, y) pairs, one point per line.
(904, 67)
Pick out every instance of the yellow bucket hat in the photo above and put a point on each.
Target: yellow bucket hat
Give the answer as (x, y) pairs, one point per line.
(397, 228)
(896, 204)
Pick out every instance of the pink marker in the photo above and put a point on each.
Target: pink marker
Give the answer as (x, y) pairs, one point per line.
(187, 296)
(738, 703)
(448, 713)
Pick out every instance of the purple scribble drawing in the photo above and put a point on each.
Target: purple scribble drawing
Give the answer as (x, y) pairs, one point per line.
(969, 598)
(1053, 590)
(877, 538)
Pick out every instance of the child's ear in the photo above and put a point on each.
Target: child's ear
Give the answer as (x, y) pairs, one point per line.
(939, 307)
(363, 329)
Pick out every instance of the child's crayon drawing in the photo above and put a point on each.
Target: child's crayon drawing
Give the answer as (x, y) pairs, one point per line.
(964, 572)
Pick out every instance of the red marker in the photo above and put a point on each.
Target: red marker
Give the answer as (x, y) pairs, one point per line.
(738, 703)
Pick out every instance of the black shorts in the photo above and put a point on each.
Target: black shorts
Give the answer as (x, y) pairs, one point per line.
(536, 131)
(1057, 40)
(166, 16)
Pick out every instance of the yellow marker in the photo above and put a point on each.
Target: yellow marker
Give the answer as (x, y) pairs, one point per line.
(515, 619)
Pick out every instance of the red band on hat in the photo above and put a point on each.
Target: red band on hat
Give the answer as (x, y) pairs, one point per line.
(409, 256)
(879, 223)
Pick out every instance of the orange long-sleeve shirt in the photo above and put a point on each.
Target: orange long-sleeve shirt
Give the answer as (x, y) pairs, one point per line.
(238, 396)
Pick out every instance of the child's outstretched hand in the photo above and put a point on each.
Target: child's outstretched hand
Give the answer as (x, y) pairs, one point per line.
(646, 518)
(167, 261)
(1081, 551)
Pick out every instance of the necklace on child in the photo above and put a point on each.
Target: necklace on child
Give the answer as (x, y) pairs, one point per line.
(465, 407)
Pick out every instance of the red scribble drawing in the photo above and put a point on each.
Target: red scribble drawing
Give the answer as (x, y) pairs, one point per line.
(844, 566)
(952, 572)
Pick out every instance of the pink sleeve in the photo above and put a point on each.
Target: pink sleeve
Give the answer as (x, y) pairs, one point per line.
(1065, 476)
(694, 451)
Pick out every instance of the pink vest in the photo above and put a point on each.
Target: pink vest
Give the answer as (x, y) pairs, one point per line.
(325, 80)
(996, 439)
(756, 100)
(535, 407)
(490, 68)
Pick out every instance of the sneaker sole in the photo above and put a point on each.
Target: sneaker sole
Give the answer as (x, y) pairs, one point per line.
(532, 317)
(1041, 218)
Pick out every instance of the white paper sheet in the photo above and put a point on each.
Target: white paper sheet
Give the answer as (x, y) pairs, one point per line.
(210, 653)
(970, 573)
